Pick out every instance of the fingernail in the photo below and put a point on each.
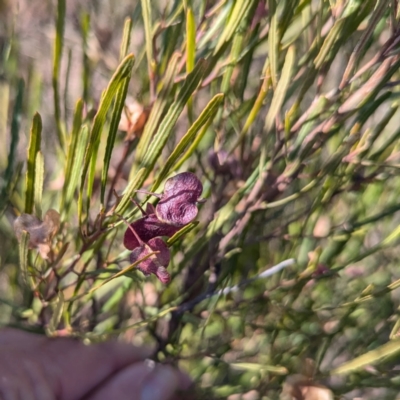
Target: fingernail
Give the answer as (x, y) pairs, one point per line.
(161, 384)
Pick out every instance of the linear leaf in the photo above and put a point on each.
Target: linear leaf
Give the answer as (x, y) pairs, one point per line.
(77, 159)
(276, 369)
(189, 86)
(195, 144)
(58, 46)
(238, 12)
(123, 71)
(34, 148)
(256, 108)
(57, 313)
(273, 42)
(233, 59)
(190, 40)
(23, 259)
(86, 70)
(39, 177)
(372, 357)
(207, 114)
(190, 51)
(126, 39)
(158, 109)
(112, 133)
(91, 174)
(146, 12)
(329, 41)
(4, 105)
(281, 88)
(181, 233)
(116, 112)
(72, 146)
(358, 49)
(133, 185)
(121, 273)
(363, 94)
(15, 126)
(217, 25)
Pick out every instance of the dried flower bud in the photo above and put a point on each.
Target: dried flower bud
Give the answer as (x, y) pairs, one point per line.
(177, 206)
(52, 221)
(34, 226)
(155, 264)
(133, 119)
(40, 232)
(147, 228)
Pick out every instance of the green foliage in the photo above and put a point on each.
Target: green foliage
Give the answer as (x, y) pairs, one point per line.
(286, 111)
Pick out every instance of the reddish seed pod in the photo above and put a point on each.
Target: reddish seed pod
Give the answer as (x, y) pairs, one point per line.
(147, 228)
(177, 206)
(155, 264)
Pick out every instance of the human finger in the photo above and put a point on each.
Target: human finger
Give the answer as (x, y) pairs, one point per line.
(142, 381)
(66, 367)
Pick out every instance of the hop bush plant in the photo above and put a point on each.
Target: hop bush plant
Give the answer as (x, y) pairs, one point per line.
(283, 116)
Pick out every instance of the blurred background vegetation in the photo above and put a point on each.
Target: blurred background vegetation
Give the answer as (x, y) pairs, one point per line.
(288, 113)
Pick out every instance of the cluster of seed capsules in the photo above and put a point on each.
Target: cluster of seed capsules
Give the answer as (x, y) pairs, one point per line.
(177, 207)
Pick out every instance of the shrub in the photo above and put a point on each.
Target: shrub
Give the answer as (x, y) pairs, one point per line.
(287, 114)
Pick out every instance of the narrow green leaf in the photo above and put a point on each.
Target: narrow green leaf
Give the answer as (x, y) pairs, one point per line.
(58, 46)
(181, 233)
(39, 177)
(86, 70)
(358, 49)
(34, 148)
(116, 112)
(112, 134)
(207, 114)
(123, 71)
(190, 52)
(281, 88)
(273, 42)
(189, 152)
(368, 89)
(126, 39)
(239, 10)
(67, 85)
(329, 41)
(246, 61)
(112, 277)
(190, 41)
(146, 12)
(57, 313)
(255, 109)
(275, 369)
(73, 140)
(233, 60)
(15, 127)
(91, 174)
(121, 273)
(23, 259)
(129, 192)
(158, 109)
(4, 104)
(372, 357)
(386, 147)
(217, 25)
(189, 86)
(76, 170)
